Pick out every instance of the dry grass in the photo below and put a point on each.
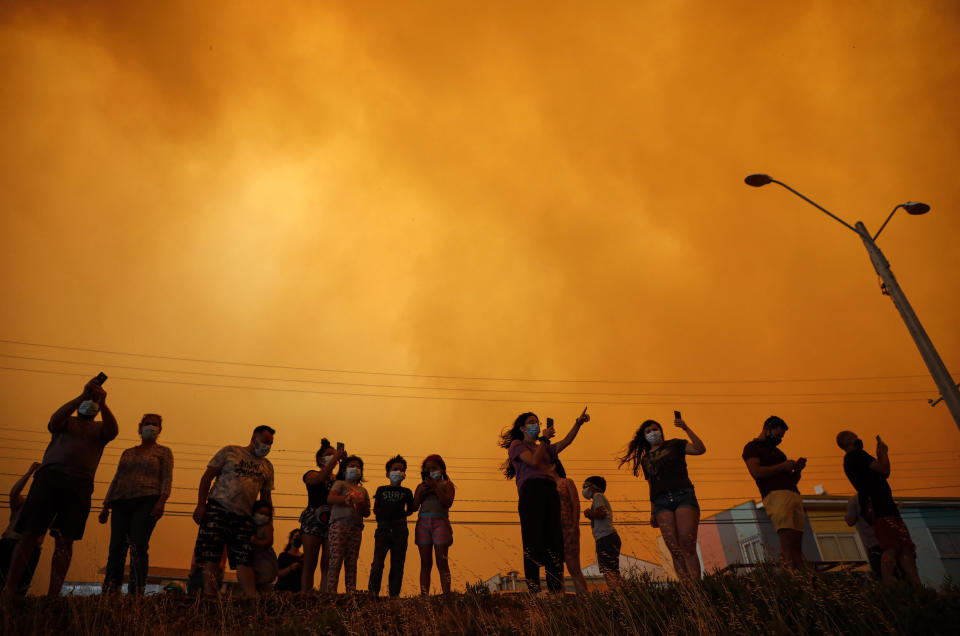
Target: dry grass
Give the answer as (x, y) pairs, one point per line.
(766, 601)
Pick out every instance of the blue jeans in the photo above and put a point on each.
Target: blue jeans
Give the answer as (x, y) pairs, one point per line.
(673, 499)
(130, 528)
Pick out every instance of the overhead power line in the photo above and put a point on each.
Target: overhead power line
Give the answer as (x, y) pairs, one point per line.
(100, 364)
(464, 399)
(450, 377)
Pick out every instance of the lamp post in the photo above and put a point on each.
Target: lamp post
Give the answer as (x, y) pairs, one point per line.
(949, 392)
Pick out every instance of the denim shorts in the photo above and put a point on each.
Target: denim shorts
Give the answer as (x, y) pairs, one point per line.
(670, 500)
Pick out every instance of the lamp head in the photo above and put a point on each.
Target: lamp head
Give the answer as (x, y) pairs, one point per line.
(915, 207)
(757, 180)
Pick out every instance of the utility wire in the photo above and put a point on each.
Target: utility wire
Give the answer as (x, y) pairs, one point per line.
(451, 377)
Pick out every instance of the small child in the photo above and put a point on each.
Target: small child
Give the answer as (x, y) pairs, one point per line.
(392, 505)
(600, 515)
(350, 504)
(264, 557)
(433, 533)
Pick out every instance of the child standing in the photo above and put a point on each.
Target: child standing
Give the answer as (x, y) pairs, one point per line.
(605, 535)
(570, 524)
(350, 504)
(264, 558)
(433, 497)
(391, 505)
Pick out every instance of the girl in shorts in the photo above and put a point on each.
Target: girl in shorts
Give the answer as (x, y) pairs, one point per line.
(674, 507)
(433, 497)
(315, 520)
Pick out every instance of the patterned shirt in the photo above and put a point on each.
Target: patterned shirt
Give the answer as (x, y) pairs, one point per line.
(142, 472)
(242, 477)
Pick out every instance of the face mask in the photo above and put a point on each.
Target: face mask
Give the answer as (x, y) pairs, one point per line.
(297, 542)
(261, 520)
(859, 445)
(774, 441)
(88, 409)
(149, 432)
(653, 437)
(352, 474)
(533, 430)
(261, 450)
(436, 475)
(587, 492)
(396, 477)
(325, 460)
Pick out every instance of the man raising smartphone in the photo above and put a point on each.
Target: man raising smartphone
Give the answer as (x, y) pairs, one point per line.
(63, 484)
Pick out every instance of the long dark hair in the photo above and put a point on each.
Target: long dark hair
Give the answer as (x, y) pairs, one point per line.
(507, 437)
(290, 538)
(433, 458)
(637, 448)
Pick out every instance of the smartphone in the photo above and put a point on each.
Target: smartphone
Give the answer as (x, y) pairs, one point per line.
(101, 378)
(549, 422)
(676, 415)
(339, 446)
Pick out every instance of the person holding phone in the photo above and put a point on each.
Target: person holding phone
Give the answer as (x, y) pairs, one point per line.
(529, 460)
(350, 503)
(315, 519)
(63, 485)
(673, 502)
(433, 533)
(137, 495)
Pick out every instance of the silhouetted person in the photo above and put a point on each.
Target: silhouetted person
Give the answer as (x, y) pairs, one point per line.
(137, 496)
(392, 504)
(63, 484)
(868, 475)
(856, 517)
(777, 479)
(225, 512)
(673, 502)
(11, 536)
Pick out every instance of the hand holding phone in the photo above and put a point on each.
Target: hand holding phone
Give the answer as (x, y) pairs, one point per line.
(678, 419)
(100, 379)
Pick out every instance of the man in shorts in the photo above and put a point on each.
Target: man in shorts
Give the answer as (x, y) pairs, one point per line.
(868, 475)
(777, 478)
(224, 512)
(61, 489)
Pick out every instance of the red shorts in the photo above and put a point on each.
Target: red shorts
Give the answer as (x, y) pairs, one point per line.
(433, 531)
(892, 534)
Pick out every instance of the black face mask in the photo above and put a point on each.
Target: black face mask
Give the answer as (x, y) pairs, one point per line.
(858, 445)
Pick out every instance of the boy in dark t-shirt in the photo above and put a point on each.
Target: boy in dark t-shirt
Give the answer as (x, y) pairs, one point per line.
(391, 505)
(868, 475)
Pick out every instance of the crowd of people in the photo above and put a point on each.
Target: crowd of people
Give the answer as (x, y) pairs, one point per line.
(234, 511)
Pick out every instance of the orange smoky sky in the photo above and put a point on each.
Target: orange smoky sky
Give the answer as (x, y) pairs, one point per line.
(494, 193)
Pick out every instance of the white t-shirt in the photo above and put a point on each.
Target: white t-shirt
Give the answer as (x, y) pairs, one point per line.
(602, 527)
(242, 477)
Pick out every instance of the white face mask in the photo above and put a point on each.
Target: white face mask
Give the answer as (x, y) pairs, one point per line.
(88, 409)
(396, 477)
(149, 432)
(435, 475)
(654, 437)
(587, 492)
(352, 474)
(261, 450)
(325, 460)
(261, 520)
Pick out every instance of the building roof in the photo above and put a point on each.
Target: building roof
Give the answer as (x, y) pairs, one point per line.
(628, 565)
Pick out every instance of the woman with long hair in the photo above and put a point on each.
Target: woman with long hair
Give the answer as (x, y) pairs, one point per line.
(529, 463)
(315, 520)
(673, 502)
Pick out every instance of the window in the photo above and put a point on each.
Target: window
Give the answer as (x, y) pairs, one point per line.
(840, 546)
(751, 550)
(948, 543)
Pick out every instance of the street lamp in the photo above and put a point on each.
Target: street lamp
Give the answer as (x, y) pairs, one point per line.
(949, 392)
